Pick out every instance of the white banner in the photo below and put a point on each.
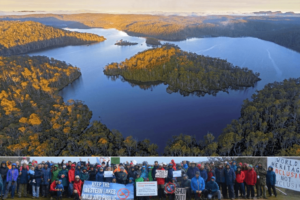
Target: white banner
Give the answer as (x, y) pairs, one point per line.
(108, 174)
(148, 188)
(161, 173)
(177, 173)
(287, 172)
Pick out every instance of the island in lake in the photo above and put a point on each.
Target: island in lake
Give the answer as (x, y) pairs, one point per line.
(183, 71)
(22, 37)
(125, 43)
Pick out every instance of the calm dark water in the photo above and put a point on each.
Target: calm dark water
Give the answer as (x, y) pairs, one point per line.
(153, 113)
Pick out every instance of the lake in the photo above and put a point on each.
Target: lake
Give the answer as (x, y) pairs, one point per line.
(153, 113)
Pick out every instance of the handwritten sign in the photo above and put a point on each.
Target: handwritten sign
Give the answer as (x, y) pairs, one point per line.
(106, 191)
(148, 188)
(161, 174)
(180, 194)
(287, 172)
(108, 174)
(177, 173)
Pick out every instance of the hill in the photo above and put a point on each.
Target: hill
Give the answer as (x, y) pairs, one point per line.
(182, 71)
(22, 37)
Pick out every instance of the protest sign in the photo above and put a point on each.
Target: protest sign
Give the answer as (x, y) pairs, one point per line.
(180, 194)
(170, 188)
(161, 174)
(177, 173)
(148, 188)
(106, 191)
(287, 172)
(108, 174)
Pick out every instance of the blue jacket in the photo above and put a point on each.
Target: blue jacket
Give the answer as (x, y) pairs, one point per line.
(100, 176)
(38, 175)
(220, 175)
(197, 184)
(229, 176)
(77, 171)
(234, 167)
(12, 175)
(23, 177)
(170, 175)
(59, 186)
(191, 172)
(203, 174)
(185, 166)
(144, 173)
(47, 175)
(212, 185)
(154, 171)
(271, 177)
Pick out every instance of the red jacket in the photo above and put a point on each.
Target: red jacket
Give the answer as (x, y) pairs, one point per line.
(78, 186)
(240, 177)
(53, 186)
(174, 164)
(160, 181)
(209, 175)
(71, 173)
(251, 177)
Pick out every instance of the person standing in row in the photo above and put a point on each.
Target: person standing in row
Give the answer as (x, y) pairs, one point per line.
(239, 182)
(229, 180)
(251, 178)
(197, 185)
(271, 181)
(261, 181)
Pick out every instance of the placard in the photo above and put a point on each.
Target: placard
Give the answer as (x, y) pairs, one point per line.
(180, 194)
(148, 188)
(287, 172)
(161, 174)
(177, 173)
(108, 174)
(106, 191)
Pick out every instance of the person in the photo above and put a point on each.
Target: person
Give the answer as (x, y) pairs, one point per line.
(150, 173)
(71, 178)
(251, 178)
(100, 175)
(210, 173)
(185, 165)
(63, 176)
(229, 180)
(78, 170)
(160, 183)
(55, 173)
(3, 173)
(212, 189)
(155, 167)
(186, 183)
(46, 181)
(138, 179)
(220, 178)
(203, 173)
(144, 173)
(38, 177)
(121, 176)
(11, 181)
(174, 165)
(233, 166)
(77, 186)
(53, 190)
(197, 185)
(239, 182)
(179, 179)
(84, 175)
(60, 189)
(170, 173)
(261, 181)
(1, 184)
(30, 178)
(92, 173)
(271, 181)
(171, 187)
(23, 180)
(191, 171)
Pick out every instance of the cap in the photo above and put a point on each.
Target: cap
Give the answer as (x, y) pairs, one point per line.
(213, 177)
(64, 166)
(60, 180)
(197, 172)
(121, 167)
(77, 176)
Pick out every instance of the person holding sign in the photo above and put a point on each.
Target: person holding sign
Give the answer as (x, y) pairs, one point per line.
(212, 189)
(160, 184)
(170, 173)
(271, 180)
(197, 185)
(170, 188)
(186, 183)
(77, 188)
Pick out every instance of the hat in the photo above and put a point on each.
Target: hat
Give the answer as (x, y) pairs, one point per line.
(55, 165)
(121, 164)
(184, 175)
(143, 167)
(77, 176)
(197, 172)
(160, 164)
(131, 178)
(240, 163)
(121, 167)
(64, 166)
(73, 165)
(60, 180)
(170, 164)
(213, 177)
(103, 162)
(14, 164)
(149, 167)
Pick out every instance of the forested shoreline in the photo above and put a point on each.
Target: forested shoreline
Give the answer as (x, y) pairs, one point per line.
(23, 37)
(182, 71)
(282, 30)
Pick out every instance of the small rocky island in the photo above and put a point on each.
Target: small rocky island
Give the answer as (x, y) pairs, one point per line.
(125, 43)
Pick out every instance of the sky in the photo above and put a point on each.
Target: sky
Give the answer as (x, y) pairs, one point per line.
(150, 160)
(125, 6)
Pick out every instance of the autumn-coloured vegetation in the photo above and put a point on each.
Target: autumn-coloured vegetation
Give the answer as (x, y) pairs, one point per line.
(22, 37)
(268, 126)
(278, 29)
(34, 120)
(182, 71)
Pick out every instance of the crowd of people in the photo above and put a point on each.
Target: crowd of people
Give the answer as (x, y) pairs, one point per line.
(226, 180)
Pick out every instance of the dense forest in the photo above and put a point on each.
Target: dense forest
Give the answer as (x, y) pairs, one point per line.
(34, 120)
(269, 125)
(182, 71)
(22, 37)
(282, 30)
